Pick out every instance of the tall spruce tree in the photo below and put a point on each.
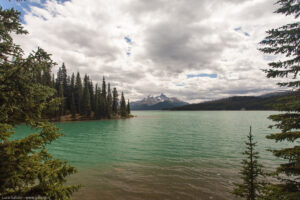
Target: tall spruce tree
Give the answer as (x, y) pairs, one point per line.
(123, 110)
(58, 81)
(109, 102)
(99, 109)
(285, 41)
(72, 84)
(27, 169)
(96, 113)
(61, 106)
(73, 107)
(92, 98)
(86, 101)
(72, 92)
(104, 100)
(78, 93)
(128, 108)
(64, 78)
(251, 173)
(115, 102)
(68, 94)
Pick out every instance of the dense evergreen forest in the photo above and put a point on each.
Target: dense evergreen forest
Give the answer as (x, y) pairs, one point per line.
(240, 103)
(81, 100)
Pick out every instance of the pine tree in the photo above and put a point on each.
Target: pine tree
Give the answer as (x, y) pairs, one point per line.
(92, 97)
(251, 187)
(64, 78)
(61, 96)
(58, 81)
(71, 91)
(86, 101)
(285, 41)
(78, 93)
(109, 102)
(103, 88)
(96, 115)
(72, 84)
(73, 107)
(99, 109)
(115, 103)
(128, 108)
(123, 106)
(103, 100)
(27, 169)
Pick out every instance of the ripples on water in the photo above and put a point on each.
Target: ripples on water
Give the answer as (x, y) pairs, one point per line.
(160, 155)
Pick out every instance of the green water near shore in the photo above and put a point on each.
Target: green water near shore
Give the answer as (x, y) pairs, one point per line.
(161, 154)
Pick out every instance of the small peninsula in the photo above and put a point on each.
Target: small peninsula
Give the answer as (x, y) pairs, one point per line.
(78, 100)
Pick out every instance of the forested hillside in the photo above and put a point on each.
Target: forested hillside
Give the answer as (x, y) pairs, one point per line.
(239, 103)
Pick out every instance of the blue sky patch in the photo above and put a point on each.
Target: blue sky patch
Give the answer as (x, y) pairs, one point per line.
(202, 75)
(23, 6)
(128, 39)
(240, 30)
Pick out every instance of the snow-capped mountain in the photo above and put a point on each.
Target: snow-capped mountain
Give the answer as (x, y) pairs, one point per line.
(157, 103)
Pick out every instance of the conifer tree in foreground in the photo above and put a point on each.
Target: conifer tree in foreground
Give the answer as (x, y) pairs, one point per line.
(251, 172)
(26, 168)
(285, 41)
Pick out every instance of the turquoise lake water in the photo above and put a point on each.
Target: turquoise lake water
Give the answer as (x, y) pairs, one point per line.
(161, 154)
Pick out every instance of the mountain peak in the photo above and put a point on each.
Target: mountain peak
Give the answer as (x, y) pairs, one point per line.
(158, 102)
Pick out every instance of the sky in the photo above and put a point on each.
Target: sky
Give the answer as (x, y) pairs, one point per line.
(190, 49)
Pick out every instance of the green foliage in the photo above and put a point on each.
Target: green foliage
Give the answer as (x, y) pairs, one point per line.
(128, 108)
(251, 173)
(78, 93)
(109, 102)
(73, 107)
(123, 107)
(62, 104)
(115, 103)
(27, 169)
(86, 102)
(285, 41)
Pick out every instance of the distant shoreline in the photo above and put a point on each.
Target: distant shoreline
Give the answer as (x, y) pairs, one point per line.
(203, 110)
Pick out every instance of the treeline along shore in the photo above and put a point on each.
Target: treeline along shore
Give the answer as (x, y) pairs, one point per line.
(79, 99)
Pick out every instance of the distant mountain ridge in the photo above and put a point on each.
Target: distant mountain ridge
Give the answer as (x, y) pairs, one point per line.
(157, 103)
(262, 102)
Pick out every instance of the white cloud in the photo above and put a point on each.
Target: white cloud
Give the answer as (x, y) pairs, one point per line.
(169, 39)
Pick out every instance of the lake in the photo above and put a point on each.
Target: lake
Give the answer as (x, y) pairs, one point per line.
(161, 154)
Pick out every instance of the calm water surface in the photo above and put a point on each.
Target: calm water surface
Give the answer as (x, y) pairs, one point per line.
(161, 154)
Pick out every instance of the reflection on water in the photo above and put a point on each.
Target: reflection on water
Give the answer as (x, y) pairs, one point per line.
(160, 155)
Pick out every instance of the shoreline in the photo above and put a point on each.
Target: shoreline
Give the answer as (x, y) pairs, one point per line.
(68, 118)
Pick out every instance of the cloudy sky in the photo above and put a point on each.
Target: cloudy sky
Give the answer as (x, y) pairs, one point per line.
(196, 50)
